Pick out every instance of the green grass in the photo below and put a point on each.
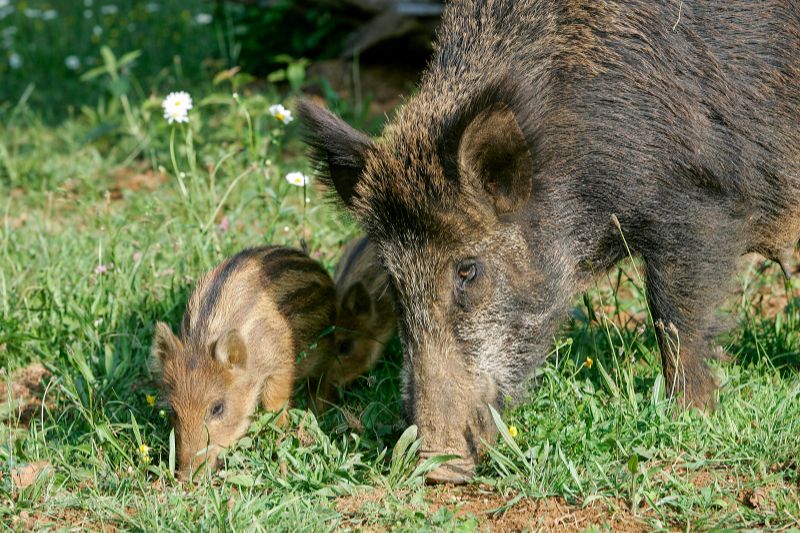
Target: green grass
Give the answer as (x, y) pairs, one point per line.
(590, 434)
(45, 45)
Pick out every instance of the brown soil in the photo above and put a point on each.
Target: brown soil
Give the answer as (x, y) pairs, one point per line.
(759, 499)
(64, 519)
(351, 505)
(135, 180)
(547, 514)
(488, 508)
(27, 391)
(24, 476)
(768, 294)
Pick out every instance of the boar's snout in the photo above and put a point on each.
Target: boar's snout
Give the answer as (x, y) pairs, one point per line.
(449, 402)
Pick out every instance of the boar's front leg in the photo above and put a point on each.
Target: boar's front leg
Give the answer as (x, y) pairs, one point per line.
(277, 392)
(684, 289)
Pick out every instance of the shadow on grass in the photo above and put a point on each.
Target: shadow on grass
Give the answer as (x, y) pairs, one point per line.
(774, 341)
(372, 405)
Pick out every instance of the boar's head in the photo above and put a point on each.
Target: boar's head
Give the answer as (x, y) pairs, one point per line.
(451, 195)
(210, 392)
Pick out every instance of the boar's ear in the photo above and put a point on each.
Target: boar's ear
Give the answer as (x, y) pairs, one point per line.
(338, 148)
(357, 301)
(165, 346)
(230, 350)
(494, 151)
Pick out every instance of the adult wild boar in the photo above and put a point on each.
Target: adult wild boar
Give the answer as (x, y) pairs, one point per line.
(491, 193)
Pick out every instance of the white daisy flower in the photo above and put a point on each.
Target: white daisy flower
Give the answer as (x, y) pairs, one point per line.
(203, 19)
(298, 179)
(72, 62)
(176, 107)
(281, 113)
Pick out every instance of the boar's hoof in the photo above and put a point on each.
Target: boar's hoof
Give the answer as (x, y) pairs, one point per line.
(456, 472)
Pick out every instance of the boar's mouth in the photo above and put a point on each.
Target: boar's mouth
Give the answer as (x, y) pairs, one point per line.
(468, 452)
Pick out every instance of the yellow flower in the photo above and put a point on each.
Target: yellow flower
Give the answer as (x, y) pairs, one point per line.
(589, 362)
(151, 400)
(512, 430)
(144, 452)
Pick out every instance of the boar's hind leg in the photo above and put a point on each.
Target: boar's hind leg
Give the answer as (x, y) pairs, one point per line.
(683, 293)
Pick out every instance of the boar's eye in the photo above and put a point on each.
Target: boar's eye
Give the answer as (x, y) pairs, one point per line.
(467, 271)
(217, 410)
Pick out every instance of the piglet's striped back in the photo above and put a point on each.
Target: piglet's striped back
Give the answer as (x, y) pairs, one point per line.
(273, 278)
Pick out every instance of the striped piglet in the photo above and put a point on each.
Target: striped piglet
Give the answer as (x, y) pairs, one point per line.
(244, 325)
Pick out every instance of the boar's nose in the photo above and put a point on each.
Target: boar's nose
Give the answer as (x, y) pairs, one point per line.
(456, 471)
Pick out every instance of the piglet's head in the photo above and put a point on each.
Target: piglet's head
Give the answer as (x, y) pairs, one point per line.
(210, 393)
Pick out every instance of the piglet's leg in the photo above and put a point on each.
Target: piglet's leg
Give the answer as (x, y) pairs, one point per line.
(684, 290)
(277, 393)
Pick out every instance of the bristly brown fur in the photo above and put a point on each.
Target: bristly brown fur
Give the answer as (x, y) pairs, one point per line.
(244, 325)
(685, 130)
(365, 322)
(347, 157)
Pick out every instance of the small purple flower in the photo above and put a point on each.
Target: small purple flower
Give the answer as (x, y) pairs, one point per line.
(137, 256)
(100, 269)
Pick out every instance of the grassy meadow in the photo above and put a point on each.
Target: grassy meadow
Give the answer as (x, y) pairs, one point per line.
(108, 214)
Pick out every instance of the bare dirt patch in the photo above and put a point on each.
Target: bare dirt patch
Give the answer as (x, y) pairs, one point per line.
(135, 180)
(70, 519)
(490, 510)
(768, 295)
(759, 498)
(352, 505)
(26, 394)
(547, 514)
(24, 476)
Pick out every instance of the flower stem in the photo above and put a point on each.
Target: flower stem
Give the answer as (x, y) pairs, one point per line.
(251, 138)
(303, 240)
(175, 163)
(225, 196)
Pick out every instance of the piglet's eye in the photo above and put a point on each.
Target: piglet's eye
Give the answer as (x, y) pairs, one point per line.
(345, 347)
(217, 410)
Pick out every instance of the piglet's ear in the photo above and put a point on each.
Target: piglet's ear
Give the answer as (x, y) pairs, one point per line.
(495, 155)
(230, 350)
(338, 148)
(165, 346)
(357, 301)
